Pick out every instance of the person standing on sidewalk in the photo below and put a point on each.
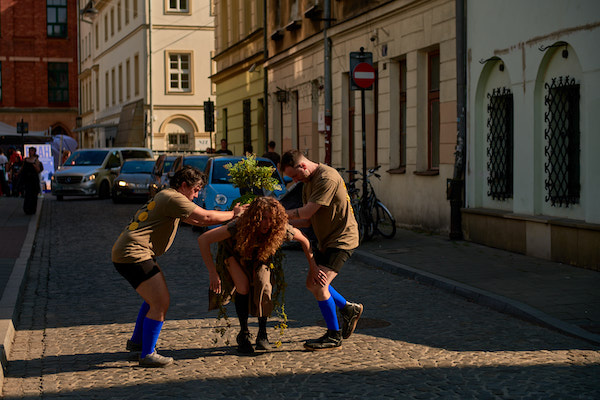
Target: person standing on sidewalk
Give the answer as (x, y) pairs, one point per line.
(148, 235)
(328, 210)
(249, 244)
(29, 181)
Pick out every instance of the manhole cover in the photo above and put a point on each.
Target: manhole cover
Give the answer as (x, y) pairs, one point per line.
(393, 251)
(364, 323)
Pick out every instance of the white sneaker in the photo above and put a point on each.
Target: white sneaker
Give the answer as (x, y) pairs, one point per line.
(155, 360)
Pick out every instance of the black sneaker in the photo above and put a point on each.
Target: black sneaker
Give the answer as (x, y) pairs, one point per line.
(350, 315)
(155, 360)
(133, 346)
(329, 341)
(244, 344)
(262, 341)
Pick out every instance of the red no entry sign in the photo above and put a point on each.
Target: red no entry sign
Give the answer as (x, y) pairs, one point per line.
(363, 75)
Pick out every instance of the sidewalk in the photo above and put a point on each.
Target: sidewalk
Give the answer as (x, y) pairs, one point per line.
(17, 234)
(556, 295)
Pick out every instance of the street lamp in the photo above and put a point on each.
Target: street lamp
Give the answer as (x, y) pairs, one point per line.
(88, 11)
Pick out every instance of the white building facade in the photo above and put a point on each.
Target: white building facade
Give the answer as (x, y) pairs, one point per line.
(532, 181)
(144, 76)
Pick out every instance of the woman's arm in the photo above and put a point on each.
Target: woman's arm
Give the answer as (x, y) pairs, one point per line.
(202, 217)
(204, 242)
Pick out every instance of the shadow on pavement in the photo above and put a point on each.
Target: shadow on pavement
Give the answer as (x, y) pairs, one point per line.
(433, 382)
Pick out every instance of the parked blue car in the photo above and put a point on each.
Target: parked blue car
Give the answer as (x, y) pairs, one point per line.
(219, 193)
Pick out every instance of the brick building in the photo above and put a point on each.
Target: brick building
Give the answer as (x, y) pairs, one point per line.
(38, 64)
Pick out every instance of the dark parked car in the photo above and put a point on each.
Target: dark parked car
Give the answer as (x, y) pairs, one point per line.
(134, 180)
(160, 178)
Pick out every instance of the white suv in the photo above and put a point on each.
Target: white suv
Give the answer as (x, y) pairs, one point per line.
(91, 172)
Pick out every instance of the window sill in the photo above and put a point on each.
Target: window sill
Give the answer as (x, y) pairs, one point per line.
(429, 172)
(397, 171)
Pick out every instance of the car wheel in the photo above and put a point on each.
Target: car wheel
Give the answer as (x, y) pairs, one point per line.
(104, 191)
(59, 197)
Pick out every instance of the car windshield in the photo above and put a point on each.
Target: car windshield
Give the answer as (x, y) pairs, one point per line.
(220, 174)
(198, 162)
(88, 157)
(137, 167)
(127, 154)
(168, 164)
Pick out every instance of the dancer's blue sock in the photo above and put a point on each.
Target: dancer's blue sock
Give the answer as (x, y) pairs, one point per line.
(151, 331)
(139, 323)
(328, 310)
(340, 301)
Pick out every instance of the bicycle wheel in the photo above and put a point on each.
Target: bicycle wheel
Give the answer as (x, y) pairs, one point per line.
(385, 224)
(368, 225)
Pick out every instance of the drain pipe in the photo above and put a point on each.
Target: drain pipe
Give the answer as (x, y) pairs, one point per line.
(266, 80)
(327, 82)
(456, 184)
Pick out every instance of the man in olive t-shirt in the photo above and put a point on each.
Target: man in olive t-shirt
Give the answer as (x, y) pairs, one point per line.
(328, 210)
(149, 234)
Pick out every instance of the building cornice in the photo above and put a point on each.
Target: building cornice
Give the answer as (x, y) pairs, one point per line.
(257, 34)
(235, 69)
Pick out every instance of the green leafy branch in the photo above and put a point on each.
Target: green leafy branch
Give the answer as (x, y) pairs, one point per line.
(247, 174)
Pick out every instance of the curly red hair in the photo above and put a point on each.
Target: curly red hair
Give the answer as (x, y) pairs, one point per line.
(249, 238)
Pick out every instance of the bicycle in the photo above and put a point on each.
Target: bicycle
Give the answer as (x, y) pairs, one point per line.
(372, 215)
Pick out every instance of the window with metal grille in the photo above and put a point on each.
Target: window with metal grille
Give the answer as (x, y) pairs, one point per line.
(402, 155)
(562, 142)
(56, 18)
(433, 103)
(179, 72)
(500, 144)
(58, 82)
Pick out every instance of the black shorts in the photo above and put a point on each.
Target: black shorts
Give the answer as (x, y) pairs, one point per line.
(332, 258)
(136, 273)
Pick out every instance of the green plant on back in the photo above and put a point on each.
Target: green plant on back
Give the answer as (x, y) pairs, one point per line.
(247, 174)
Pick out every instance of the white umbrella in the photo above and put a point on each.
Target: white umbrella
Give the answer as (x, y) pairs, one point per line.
(59, 144)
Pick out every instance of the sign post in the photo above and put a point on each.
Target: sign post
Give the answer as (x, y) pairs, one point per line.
(363, 77)
(22, 128)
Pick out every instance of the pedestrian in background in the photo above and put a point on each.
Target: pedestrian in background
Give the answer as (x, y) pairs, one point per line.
(249, 243)
(4, 190)
(272, 155)
(15, 161)
(29, 180)
(150, 234)
(328, 210)
(224, 149)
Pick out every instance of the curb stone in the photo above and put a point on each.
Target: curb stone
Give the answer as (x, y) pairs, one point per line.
(479, 296)
(13, 291)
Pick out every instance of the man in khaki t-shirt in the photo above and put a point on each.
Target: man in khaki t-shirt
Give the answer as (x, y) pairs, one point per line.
(328, 210)
(148, 235)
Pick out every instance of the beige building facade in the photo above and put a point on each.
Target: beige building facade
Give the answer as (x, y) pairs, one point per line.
(144, 76)
(410, 113)
(238, 76)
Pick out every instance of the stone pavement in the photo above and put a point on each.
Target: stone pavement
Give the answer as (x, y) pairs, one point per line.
(414, 340)
(17, 234)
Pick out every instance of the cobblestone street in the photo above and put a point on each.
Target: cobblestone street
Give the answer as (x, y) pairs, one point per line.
(413, 341)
